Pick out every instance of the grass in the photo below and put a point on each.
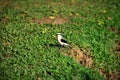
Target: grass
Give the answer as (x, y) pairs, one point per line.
(25, 51)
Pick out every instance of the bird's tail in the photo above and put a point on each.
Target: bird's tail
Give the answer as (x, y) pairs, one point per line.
(69, 46)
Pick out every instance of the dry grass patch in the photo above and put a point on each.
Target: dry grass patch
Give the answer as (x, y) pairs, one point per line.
(79, 56)
(114, 30)
(51, 20)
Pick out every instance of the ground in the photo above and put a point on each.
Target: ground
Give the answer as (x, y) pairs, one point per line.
(28, 39)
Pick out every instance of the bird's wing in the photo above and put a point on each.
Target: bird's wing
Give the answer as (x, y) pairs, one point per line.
(62, 40)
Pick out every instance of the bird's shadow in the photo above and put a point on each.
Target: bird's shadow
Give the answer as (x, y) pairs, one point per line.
(53, 45)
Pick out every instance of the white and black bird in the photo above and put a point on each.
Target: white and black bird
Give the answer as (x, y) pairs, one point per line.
(61, 40)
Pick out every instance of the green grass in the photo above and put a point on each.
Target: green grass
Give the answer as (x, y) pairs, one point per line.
(25, 51)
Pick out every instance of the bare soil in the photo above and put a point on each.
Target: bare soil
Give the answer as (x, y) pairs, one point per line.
(114, 30)
(79, 56)
(46, 20)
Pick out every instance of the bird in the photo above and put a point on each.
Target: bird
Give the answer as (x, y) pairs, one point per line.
(61, 40)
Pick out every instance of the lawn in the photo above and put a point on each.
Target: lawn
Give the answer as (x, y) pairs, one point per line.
(29, 49)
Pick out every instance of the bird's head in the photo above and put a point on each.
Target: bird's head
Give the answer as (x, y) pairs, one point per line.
(58, 33)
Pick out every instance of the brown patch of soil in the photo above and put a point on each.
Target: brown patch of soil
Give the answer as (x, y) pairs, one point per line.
(114, 77)
(4, 3)
(79, 56)
(109, 75)
(56, 20)
(7, 55)
(5, 43)
(39, 78)
(109, 18)
(102, 72)
(114, 30)
(117, 49)
(4, 20)
(23, 14)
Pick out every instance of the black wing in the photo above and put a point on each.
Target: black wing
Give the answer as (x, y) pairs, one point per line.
(62, 40)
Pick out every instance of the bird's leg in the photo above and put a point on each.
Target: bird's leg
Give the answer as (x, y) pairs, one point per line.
(62, 46)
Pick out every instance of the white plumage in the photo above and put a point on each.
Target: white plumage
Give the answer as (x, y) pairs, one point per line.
(61, 40)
